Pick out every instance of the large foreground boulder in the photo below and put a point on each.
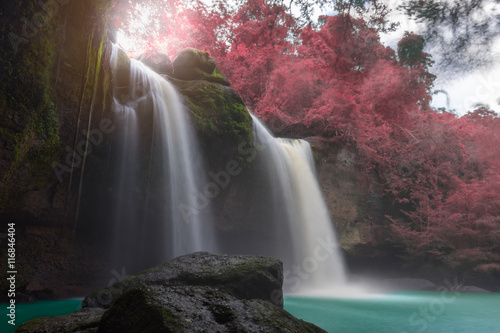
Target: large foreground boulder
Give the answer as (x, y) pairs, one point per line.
(199, 292)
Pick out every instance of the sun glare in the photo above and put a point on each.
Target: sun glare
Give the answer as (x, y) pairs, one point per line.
(132, 41)
(124, 42)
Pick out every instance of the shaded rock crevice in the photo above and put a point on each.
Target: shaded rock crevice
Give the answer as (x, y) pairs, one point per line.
(52, 87)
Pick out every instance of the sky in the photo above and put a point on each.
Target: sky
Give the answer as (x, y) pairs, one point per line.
(464, 90)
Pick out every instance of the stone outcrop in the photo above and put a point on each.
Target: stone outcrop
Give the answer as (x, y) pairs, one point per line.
(194, 64)
(160, 62)
(199, 292)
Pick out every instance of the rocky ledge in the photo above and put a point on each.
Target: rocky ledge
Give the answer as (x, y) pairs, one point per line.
(199, 292)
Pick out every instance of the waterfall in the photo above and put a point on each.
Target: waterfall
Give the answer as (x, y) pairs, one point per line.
(157, 169)
(156, 172)
(310, 251)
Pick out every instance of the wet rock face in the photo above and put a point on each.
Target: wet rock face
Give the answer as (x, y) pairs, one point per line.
(47, 85)
(199, 292)
(158, 61)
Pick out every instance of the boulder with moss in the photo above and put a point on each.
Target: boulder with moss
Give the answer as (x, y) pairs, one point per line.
(244, 277)
(217, 111)
(199, 292)
(192, 64)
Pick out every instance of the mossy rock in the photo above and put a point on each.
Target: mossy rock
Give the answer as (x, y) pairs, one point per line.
(182, 309)
(84, 321)
(199, 292)
(29, 122)
(202, 292)
(147, 314)
(245, 277)
(217, 110)
(192, 64)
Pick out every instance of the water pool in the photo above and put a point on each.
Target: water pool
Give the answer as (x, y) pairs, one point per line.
(25, 312)
(401, 312)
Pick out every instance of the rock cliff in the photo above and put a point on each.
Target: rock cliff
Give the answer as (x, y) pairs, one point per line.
(53, 93)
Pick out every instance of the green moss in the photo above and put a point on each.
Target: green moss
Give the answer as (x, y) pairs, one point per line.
(216, 76)
(27, 91)
(27, 95)
(34, 324)
(97, 60)
(106, 86)
(219, 111)
(147, 314)
(237, 122)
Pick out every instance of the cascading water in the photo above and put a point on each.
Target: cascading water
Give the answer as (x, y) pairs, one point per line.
(311, 253)
(158, 169)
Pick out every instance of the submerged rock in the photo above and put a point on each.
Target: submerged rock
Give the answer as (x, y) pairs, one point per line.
(199, 292)
(83, 321)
